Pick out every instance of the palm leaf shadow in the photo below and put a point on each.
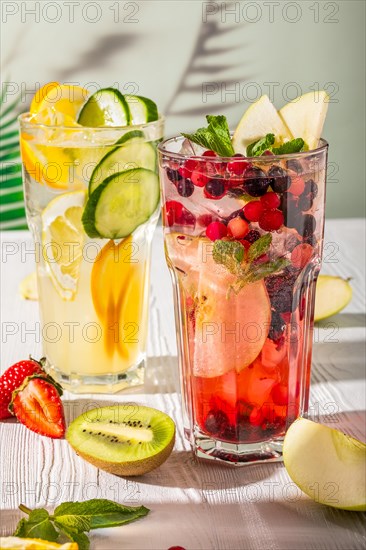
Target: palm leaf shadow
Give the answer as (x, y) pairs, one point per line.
(203, 62)
(97, 56)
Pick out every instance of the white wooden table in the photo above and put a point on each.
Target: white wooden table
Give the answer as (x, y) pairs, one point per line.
(194, 505)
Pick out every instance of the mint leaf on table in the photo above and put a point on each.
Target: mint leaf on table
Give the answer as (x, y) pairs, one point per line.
(74, 518)
(293, 146)
(97, 513)
(215, 137)
(258, 147)
(37, 526)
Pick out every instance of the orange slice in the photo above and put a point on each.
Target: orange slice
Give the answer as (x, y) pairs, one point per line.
(116, 286)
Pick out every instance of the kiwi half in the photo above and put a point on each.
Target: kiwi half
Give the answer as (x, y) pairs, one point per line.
(126, 439)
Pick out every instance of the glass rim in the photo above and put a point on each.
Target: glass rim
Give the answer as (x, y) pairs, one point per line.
(323, 146)
(24, 121)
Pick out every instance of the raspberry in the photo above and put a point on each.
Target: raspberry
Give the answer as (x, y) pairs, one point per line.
(253, 211)
(252, 236)
(271, 220)
(270, 201)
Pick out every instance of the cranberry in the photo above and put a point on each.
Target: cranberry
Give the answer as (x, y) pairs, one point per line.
(279, 394)
(280, 181)
(199, 178)
(252, 236)
(184, 172)
(204, 219)
(177, 214)
(238, 228)
(256, 182)
(214, 189)
(216, 422)
(253, 211)
(209, 153)
(301, 255)
(267, 153)
(270, 201)
(191, 164)
(297, 186)
(173, 212)
(185, 187)
(176, 548)
(173, 175)
(245, 243)
(271, 220)
(311, 188)
(216, 230)
(295, 165)
(238, 167)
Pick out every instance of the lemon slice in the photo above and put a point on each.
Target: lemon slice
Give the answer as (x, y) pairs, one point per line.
(305, 117)
(259, 120)
(62, 99)
(28, 287)
(63, 240)
(16, 543)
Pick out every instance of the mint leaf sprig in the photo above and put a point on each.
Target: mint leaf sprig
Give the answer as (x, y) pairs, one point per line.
(73, 519)
(215, 137)
(231, 255)
(257, 148)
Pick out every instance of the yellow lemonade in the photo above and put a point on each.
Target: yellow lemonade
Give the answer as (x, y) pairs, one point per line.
(92, 198)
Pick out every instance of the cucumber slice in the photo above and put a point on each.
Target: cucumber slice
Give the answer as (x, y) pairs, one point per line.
(107, 107)
(136, 153)
(121, 203)
(142, 109)
(130, 135)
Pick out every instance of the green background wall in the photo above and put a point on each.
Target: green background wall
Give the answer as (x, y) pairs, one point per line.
(175, 51)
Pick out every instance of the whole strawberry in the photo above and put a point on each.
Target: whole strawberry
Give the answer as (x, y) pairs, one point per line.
(14, 377)
(37, 405)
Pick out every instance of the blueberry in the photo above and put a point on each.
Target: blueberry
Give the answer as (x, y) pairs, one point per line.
(290, 209)
(294, 165)
(185, 187)
(311, 188)
(173, 175)
(216, 422)
(256, 182)
(305, 225)
(280, 181)
(305, 202)
(215, 188)
(236, 191)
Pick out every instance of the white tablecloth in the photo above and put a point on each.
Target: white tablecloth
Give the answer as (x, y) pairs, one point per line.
(197, 505)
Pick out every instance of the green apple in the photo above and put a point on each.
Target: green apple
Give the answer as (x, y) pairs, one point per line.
(332, 295)
(259, 120)
(305, 117)
(327, 465)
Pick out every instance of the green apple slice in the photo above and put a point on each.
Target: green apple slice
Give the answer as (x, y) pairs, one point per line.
(305, 116)
(327, 465)
(332, 295)
(259, 120)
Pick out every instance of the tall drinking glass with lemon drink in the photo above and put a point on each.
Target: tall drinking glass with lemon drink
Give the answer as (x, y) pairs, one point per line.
(92, 199)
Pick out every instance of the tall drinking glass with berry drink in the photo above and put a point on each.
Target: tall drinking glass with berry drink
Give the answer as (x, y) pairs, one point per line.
(92, 199)
(243, 220)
